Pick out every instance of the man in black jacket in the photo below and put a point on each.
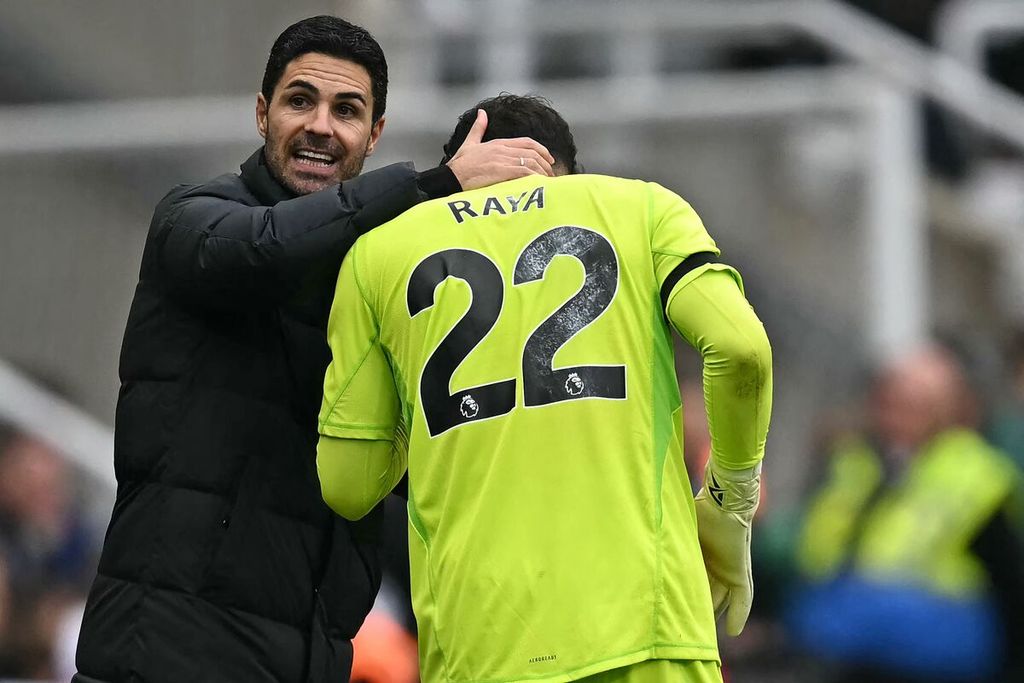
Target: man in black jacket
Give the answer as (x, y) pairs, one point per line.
(221, 562)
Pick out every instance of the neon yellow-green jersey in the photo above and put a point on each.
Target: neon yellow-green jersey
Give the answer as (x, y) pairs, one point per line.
(515, 336)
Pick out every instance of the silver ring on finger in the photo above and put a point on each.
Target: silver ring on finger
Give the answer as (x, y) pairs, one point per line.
(522, 162)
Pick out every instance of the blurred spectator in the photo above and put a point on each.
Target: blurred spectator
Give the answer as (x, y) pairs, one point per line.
(910, 556)
(696, 435)
(395, 595)
(384, 652)
(1006, 426)
(41, 529)
(47, 554)
(65, 639)
(34, 640)
(5, 614)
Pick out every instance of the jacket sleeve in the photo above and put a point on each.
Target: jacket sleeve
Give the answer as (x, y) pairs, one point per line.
(215, 247)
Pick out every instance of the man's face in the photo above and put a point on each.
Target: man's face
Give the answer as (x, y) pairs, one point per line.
(317, 127)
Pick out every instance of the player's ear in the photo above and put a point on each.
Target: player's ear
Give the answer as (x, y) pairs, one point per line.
(261, 115)
(375, 130)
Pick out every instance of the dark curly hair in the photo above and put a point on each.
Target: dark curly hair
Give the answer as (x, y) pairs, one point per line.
(513, 116)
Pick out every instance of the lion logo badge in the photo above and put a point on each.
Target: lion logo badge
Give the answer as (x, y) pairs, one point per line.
(573, 384)
(469, 407)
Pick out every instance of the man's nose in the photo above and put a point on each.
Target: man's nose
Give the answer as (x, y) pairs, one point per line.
(319, 121)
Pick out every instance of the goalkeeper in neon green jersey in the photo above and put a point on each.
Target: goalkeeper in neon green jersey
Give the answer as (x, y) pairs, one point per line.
(510, 348)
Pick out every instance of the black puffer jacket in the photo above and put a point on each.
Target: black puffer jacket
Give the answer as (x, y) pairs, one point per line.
(221, 562)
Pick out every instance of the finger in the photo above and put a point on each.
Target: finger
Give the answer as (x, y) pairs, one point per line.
(476, 133)
(719, 598)
(545, 166)
(523, 171)
(538, 168)
(739, 610)
(531, 144)
(532, 156)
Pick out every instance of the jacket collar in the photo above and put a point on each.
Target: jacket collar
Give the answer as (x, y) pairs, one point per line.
(261, 182)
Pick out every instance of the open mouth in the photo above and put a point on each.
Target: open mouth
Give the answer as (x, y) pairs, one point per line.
(313, 159)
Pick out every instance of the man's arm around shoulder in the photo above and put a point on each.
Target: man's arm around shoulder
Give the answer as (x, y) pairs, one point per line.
(212, 240)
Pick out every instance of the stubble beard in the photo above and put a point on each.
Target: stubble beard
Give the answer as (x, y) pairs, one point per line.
(349, 166)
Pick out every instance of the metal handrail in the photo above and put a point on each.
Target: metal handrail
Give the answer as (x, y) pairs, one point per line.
(55, 421)
(170, 123)
(849, 32)
(964, 26)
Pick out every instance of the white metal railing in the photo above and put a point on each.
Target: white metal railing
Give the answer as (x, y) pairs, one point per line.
(964, 27)
(847, 31)
(195, 121)
(200, 121)
(963, 30)
(55, 421)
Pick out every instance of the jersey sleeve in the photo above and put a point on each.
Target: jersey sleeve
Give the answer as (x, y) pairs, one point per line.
(680, 244)
(356, 474)
(712, 315)
(360, 398)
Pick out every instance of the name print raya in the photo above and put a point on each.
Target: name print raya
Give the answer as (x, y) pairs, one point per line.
(463, 208)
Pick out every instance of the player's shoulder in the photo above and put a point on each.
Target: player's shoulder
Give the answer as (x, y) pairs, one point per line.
(643, 199)
(603, 192)
(400, 230)
(608, 183)
(622, 189)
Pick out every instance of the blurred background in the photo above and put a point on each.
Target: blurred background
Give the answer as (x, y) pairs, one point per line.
(859, 162)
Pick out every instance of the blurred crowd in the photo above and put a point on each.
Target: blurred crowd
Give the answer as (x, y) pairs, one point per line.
(47, 558)
(903, 560)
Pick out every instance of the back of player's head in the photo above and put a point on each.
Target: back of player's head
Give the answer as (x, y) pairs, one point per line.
(514, 116)
(334, 37)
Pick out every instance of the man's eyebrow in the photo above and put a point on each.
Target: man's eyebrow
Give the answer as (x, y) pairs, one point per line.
(350, 95)
(299, 83)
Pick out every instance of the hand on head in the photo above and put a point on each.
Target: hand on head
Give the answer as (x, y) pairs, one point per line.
(479, 164)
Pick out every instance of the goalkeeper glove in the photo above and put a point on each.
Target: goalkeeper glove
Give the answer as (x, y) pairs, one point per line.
(725, 507)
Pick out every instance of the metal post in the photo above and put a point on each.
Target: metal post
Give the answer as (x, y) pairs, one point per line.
(896, 231)
(508, 50)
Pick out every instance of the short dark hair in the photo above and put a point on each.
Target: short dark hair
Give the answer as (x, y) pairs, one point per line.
(330, 36)
(512, 116)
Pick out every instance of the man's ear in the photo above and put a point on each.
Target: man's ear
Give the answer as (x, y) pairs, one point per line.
(375, 132)
(261, 115)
